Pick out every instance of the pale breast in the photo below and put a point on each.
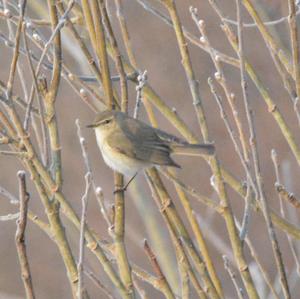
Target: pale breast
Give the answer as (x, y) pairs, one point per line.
(118, 161)
(121, 162)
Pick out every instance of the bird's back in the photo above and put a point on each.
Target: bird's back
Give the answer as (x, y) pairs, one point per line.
(145, 141)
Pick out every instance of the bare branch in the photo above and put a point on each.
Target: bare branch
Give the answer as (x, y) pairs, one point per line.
(20, 236)
(80, 264)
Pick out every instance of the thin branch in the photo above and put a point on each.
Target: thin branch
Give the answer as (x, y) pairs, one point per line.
(80, 264)
(177, 227)
(267, 37)
(244, 160)
(157, 269)
(286, 79)
(139, 289)
(49, 186)
(55, 33)
(93, 277)
(288, 196)
(272, 108)
(9, 217)
(142, 79)
(125, 33)
(221, 79)
(97, 190)
(34, 218)
(15, 153)
(43, 144)
(264, 273)
(100, 49)
(157, 193)
(283, 194)
(119, 236)
(100, 199)
(294, 43)
(90, 60)
(20, 236)
(116, 56)
(201, 198)
(213, 161)
(232, 275)
(190, 37)
(16, 51)
(253, 143)
(130, 54)
(269, 23)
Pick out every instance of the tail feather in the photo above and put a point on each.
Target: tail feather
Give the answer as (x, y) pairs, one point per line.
(193, 149)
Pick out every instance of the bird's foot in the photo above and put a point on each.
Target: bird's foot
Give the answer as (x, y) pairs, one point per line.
(123, 189)
(120, 190)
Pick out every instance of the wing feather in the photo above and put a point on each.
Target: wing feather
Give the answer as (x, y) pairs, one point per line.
(140, 143)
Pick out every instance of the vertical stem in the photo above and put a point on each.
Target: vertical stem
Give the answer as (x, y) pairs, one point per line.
(83, 47)
(50, 98)
(119, 223)
(214, 163)
(125, 34)
(166, 289)
(160, 195)
(294, 42)
(20, 236)
(116, 57)
(15, 58)
(80, 264)
(167, 206)
(253, 144)
(57, 229)
(119, 234)
(89, 22)
(101, 53)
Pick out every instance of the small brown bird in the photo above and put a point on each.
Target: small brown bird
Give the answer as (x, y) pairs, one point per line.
(129, 145)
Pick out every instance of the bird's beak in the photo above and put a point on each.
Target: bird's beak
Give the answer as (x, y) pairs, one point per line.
(91, 126)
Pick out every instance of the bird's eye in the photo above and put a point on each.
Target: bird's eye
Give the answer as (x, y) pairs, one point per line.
(107, 121)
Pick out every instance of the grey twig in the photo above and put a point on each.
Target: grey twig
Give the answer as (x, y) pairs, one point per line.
(142, 79)
(60, 24)
(92, 79)
(9, 217)
(139, 289)
(190, 37)
(232, 275)
(12, 199)
(80, 265)
(254, 25)
(93, 277)
(42, 143)
(288, 85)
(283, 194)
(259, 180)
(97, 190)
(295, 48)
(246, 217)
(16, 50)
(201, 198)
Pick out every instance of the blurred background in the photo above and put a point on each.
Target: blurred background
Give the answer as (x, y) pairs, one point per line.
(154, 44)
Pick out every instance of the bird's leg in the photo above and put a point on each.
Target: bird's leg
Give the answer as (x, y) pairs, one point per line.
(125, 187)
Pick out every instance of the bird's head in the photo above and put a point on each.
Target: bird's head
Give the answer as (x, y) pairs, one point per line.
(104, 122)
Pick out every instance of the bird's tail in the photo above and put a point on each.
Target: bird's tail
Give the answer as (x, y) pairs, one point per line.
(193, 149)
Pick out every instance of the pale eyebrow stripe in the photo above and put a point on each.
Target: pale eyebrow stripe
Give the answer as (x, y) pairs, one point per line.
(102, 121)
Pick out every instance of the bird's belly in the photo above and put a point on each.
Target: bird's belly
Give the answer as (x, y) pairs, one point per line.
(120, 162)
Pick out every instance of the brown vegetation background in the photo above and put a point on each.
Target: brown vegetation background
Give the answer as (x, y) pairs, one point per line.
(156, 49)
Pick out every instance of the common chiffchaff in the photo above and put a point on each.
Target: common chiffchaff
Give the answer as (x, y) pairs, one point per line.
(129, 145)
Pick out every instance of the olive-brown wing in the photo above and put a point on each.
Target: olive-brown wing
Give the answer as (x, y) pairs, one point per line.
(139, 141)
